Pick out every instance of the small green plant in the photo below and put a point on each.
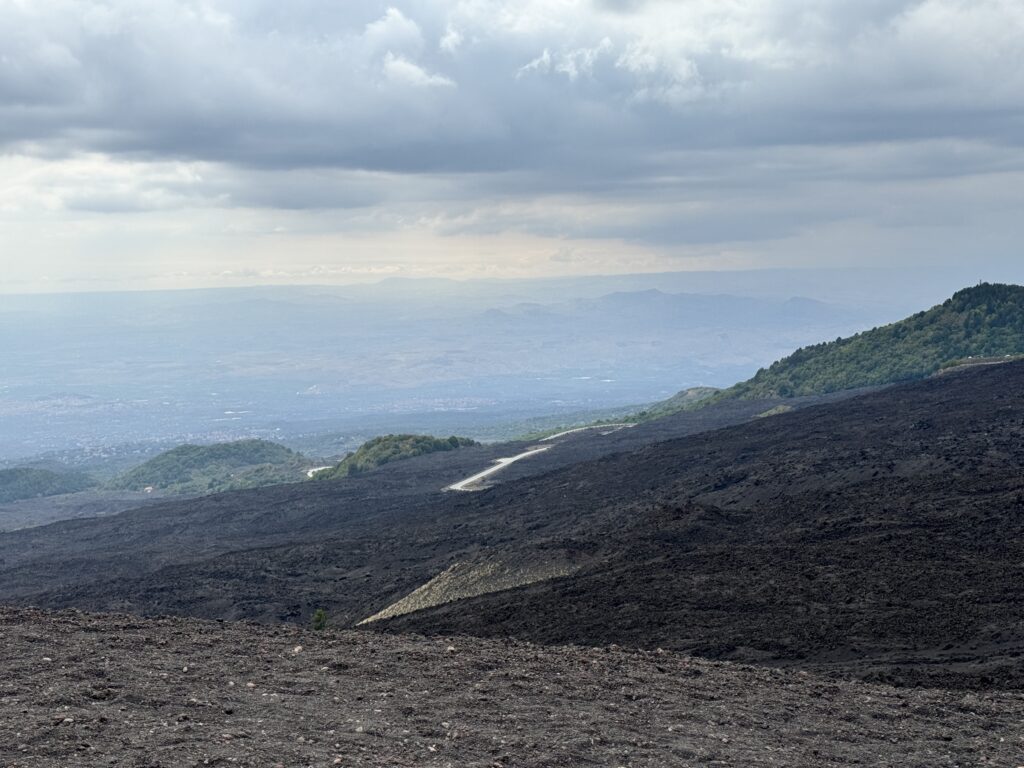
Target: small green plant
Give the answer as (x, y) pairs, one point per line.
(320, 619)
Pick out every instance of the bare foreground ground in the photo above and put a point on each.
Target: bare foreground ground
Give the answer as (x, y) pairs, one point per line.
(81, 690)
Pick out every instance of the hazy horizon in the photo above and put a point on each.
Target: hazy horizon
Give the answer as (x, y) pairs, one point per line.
(330, 366)
(874, 284)
(87, 370)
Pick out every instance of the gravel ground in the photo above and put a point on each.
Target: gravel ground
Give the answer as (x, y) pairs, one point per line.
(81, 690)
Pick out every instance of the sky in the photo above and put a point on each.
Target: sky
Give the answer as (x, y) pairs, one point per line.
(187, 143)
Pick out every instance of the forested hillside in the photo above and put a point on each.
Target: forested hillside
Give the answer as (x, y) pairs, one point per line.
(986, 321)
(218, 467)
(388, 448)
(29, 483)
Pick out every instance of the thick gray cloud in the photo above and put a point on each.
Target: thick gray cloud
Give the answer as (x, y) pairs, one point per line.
(480, 85)
(680, 123)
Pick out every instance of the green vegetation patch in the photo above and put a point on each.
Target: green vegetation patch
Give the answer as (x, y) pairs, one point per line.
(986, 321)
(685, 400)
(778, 410)
(218, 467)
(388, 448)
(30, 483)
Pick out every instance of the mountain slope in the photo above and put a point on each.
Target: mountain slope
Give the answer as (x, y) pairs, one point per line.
(684, 400)
(217, 467)
(880, 536)
(279, 552)
(984, 321)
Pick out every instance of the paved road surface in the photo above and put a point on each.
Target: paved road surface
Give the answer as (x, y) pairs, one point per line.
(499, 464)
(608, 427)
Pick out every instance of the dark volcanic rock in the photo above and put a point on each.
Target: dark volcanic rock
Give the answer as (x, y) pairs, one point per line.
(90, 690)
(881, 536)
(277, 553)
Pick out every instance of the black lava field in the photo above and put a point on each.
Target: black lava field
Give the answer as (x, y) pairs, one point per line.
(835, 585)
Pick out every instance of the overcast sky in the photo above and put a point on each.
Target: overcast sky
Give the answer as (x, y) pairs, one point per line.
(186, 143)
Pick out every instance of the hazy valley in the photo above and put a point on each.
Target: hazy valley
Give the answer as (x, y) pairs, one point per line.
(324, 369)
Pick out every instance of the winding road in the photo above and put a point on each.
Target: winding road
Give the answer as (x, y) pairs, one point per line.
(473, 483)
(499, 464)
(575, 430)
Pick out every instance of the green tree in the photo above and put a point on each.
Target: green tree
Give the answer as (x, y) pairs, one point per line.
(319, 619)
